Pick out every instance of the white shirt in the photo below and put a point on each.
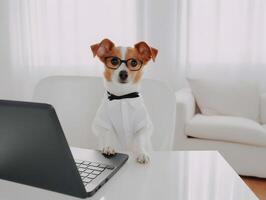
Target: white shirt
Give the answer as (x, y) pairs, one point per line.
(125, 117)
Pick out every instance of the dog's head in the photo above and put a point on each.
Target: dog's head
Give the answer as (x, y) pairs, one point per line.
(123, 65)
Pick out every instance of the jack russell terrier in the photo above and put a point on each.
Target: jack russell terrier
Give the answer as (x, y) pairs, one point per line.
(122, 121)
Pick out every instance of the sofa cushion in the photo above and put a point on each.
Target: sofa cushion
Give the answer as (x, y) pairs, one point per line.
(226, 97)
(231, 129)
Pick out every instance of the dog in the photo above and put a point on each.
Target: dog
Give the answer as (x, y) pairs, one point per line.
(122, 121)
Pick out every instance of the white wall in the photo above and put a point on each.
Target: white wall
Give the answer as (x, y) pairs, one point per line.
(53, 37)
(159, 27)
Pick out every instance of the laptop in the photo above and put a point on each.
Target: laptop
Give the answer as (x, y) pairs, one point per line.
(35, 152)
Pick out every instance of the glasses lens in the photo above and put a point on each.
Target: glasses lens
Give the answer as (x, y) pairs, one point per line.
(134, 64)
(112, 62)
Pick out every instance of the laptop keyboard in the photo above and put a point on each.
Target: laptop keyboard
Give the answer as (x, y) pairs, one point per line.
(90, 170)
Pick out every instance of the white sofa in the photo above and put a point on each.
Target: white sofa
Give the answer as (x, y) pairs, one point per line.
(240, 139)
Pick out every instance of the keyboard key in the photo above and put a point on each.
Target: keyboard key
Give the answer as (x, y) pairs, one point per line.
(78, 161)
(92, 176)
(84, 166)
(84, 174)
(81, 169)
(96, 172)
(95, 168)
(88, 171)
(94, 164)
(87, 180)
(86, 162)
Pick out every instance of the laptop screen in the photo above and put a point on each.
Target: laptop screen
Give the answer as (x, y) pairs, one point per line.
(34, 150)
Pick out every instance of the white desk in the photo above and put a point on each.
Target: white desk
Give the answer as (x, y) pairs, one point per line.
(191, 175)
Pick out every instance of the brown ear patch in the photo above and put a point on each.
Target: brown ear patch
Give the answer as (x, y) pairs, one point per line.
(154, 53)
(102, 48)
(94, 49)
(146, 52)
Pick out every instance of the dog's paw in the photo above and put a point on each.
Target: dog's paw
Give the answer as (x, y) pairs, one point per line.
(108, 150)
(143, 158)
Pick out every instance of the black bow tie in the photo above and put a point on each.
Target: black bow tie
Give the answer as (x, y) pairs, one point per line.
(126, 96)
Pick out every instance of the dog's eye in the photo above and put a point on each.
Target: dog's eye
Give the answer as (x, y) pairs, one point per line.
(115, 61)
(133, 63)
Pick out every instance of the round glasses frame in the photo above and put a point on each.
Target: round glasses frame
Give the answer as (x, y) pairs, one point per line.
(123, 61)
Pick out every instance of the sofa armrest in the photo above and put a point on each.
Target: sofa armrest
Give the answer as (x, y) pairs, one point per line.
(185, 104)
(263, 109)
(185, 110)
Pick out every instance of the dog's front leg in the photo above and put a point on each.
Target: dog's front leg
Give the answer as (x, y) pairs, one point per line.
(107, 139)
(142, 145)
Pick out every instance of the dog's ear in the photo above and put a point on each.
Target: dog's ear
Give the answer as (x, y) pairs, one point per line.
(102, 48)
(146, 52)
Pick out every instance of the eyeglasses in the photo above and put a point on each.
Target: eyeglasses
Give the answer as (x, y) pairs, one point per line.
(132, 64)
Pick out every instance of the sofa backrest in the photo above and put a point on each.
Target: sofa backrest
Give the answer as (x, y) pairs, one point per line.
(220, 96)
(76, 100)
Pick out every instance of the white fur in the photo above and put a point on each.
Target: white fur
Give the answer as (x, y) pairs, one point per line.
(119, 135)
(119, 89)
(123, 52)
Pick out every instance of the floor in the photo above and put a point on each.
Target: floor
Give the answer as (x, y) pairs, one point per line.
(257, 185)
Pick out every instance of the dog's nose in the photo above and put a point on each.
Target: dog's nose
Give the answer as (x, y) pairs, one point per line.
(123, 75)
